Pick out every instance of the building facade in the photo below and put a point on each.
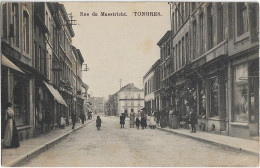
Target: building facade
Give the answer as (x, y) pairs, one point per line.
(123, 101)
(130, 97)
(36, 58)
(149, 82)
(215, 61)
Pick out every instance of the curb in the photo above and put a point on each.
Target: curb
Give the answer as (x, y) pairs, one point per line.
(211, 142)
(26, 157)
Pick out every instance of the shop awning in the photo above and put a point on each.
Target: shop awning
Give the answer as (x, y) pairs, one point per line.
(9, 64)
(55, 94)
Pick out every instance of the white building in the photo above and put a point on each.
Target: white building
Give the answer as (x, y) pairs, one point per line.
(130, 97)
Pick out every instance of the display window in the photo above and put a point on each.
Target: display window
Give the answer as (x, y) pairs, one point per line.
(240, 93)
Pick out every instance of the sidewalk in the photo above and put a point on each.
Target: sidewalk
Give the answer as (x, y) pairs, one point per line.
(245, 145)
(33, 146)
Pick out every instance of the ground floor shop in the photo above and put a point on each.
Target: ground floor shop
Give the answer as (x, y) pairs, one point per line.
(16, 88)
(243, 92)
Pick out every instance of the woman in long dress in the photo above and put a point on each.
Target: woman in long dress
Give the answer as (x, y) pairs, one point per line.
(11, 139)
(132, 118)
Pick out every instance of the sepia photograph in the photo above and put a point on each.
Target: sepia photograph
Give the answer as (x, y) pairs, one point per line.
(129, 84)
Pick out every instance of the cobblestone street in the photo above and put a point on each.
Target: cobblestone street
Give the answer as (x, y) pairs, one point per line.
(112, 146)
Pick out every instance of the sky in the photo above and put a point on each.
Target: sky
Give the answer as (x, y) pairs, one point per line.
(117, 47)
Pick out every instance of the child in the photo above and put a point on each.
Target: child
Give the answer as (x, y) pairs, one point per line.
(98, 122)
(122, 120)
(137, 122)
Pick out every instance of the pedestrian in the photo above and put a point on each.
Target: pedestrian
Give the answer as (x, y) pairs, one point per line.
(11, 138)
(137, 122)
(193, 120)
(73, 118)
(83, 117)
(62, 122)
(143, 122)
(132, 119)
(98, 122)
(122, 120)
(152, 123)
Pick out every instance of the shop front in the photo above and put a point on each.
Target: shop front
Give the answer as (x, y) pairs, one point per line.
(16, 87)
(244, 96)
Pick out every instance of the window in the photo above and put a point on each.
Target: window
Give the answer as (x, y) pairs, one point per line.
(201, 34)
(173, 28)
(173, 62)
(176, 55)
(240, 90)
(176, 20)
(186, 10)
(210, 27)
(36, 55)
(242, 18)
(193, 6)
(21, 109)
(39, 60)
(182, 12)
(220, 23)
(194, 25)
(179, 15)
(15, 23)
(180, 54)
(183, 51)
(187, 48)
(214, 97)
(4, 17)
(26, 31)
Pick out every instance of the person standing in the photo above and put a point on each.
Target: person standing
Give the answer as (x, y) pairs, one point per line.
(137, 122)
(73, 118)
(83, 117)
(122, 120)
(11, 138)
(98, 122)
(132, 119)
(193, 120)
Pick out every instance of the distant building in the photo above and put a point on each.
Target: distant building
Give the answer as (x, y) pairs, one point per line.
(97, 104)
(127, 98)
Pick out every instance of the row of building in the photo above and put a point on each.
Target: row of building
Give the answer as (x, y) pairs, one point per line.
(209, 62)
(128, 98)
(41, 72)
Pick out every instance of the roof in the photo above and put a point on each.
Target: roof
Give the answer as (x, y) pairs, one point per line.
(129, 87)
(152, 67)
(164, 38)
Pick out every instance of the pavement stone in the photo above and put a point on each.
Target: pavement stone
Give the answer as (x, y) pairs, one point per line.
(245, 145)
(34, 146)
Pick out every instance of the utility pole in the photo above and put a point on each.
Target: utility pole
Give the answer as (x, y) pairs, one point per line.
(120, 80)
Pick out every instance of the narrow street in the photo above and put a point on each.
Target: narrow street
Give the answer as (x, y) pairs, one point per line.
(112, 146)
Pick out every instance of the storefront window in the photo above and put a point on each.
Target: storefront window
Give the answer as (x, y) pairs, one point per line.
(240, 104)
(214, 97)
(20, 93)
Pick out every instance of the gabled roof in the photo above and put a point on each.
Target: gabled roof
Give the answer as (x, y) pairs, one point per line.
(129, 87)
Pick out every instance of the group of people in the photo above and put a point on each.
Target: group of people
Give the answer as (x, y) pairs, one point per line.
(166, 118)
(139, 119)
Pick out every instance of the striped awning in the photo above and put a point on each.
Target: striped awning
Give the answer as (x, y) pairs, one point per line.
(6, 62)
(55, 94)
